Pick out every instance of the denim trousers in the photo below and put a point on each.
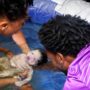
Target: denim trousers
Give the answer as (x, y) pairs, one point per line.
(48, 80)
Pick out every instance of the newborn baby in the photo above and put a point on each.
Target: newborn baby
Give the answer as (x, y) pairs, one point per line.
(34, 57)
(23, 61)
(8, 71)
(18, 63)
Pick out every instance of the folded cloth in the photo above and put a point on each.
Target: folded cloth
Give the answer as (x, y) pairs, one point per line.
(21, 81)
(7, 70)
(19, 61)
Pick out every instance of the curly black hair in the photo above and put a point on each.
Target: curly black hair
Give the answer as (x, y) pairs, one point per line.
(87, 0)
(14, 9)
(65, 34)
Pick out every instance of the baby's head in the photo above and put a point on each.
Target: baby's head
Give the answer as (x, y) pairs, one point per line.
(37, 57)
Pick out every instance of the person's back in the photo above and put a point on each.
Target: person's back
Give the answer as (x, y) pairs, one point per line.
(78, 77)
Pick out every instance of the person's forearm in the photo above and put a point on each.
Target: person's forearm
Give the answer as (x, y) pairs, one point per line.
(4, 50)
(26, 87)
(4, 82)
(21, 41)
(24, 47)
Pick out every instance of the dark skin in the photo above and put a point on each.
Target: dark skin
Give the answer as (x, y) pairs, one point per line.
(7, 52)
(8, 28)
(60, 61)
(26, 87)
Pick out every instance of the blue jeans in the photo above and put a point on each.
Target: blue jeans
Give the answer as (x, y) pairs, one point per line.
(48, 80)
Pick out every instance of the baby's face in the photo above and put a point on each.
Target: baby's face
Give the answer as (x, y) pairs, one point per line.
(33, 57)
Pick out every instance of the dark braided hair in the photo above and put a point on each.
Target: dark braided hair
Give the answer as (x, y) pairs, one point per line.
(87, 0)
(65, 34)
(14, 9)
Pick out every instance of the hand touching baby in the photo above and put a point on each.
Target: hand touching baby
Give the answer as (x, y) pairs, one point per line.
(24, 62)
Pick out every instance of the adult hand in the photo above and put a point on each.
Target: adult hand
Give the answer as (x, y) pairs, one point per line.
(9, 54)
(6, 52)
(26, 87)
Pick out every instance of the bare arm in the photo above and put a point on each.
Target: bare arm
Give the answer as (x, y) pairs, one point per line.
(4, 50)
(21, 42)
(7, 81)
(26, 87)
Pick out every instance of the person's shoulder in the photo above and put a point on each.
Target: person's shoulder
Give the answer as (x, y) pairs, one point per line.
(80, 73)
(82, 57)
(78, 77)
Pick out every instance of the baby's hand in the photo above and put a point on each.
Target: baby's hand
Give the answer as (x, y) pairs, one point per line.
(24, 77)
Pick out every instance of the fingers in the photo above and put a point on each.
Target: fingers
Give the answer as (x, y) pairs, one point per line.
(10, 55)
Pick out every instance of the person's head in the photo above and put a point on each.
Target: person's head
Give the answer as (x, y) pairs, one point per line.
(12, 15)
(40, 57)
(64, 37)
